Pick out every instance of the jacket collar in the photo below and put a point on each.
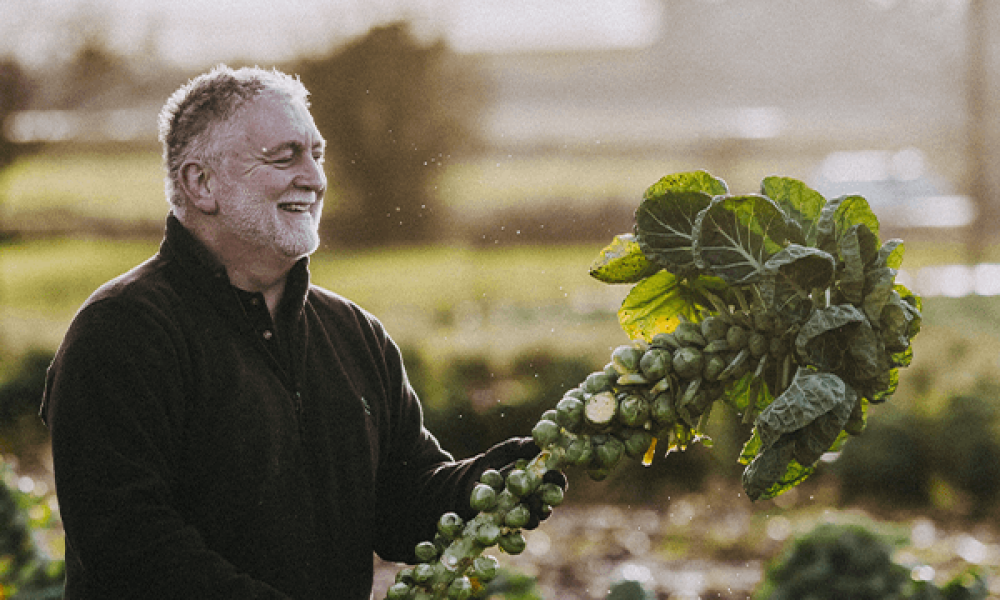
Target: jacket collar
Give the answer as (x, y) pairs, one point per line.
(209, 274)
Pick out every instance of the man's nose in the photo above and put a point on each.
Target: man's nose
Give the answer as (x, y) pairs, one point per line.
(312, 176)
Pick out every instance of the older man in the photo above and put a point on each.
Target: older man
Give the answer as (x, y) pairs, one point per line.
(222, 428)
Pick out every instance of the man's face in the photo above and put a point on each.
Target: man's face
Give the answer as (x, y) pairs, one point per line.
(271, 181)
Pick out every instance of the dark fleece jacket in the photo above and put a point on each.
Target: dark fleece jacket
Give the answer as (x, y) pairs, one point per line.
(200, 453)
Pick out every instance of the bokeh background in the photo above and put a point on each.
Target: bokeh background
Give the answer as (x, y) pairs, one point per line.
(481, 154)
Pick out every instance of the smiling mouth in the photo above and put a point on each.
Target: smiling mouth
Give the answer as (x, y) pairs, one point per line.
(294, 207)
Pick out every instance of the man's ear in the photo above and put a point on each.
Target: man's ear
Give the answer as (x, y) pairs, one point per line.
(196, 180)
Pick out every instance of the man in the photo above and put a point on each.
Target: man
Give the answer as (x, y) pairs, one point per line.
(222, 428)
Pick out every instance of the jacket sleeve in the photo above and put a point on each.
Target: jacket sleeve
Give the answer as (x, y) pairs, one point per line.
(418, 481)
(114, 403)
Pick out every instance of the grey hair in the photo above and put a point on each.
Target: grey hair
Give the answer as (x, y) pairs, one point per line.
(189, 121)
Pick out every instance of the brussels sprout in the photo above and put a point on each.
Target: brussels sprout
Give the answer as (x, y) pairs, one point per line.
(662, 409)
(757, 344)
(484, 498)
(737, 337)
(488, 533)
(598, 382)
(626, 359)
(689, 334)
(405, 575)
(425, 551)
(714, 366)
(633, 410)
(485, 568)
(513, 542)
(398, 591)
(610, 452)
(666, 341)
(655, 363)
(517, 517)
(460, 589)
(688, 362)
(714, 328)
(599, 410)
(494, 478)
(579, 451)
(521, 482)
(545, 433)
(551, 494)
(450, 524)
(637, 442)
(569, 412)
(423, 572)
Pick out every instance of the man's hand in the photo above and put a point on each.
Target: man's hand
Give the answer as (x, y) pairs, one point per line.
(502, 457)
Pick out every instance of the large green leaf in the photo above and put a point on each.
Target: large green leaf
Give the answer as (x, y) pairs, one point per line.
(857, 249)
(791, 275)
(735, 236)
(810, 395)
(800, 203)
(692, 181)
(655, 304)
(664, 225)
(839, 216)
(794, 431)
(821, 341)
(879, 285)
(622, 261)
(866, 357)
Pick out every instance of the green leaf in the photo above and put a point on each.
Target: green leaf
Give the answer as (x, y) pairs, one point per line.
(751, 448)
(855, 249)
(820, 437)
(622, 261)
(890, 254)
(735, 236)
(748, 392)
(839, 216)
(879, 285)
(774, 471)
(692, 181)
(820, 342)
(802, 204)
(810, 395)
(654, 305)
(664, 223)
(794, 431)
(790, 277)
(866, 358)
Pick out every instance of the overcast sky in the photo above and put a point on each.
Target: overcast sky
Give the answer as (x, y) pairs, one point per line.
(197, 32)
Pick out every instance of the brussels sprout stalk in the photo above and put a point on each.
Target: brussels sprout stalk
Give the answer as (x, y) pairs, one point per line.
(731, 323)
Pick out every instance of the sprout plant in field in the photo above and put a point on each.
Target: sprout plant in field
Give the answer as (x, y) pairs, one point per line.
(782, 304)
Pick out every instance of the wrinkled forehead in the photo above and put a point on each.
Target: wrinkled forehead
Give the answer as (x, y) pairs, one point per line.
(272, 119)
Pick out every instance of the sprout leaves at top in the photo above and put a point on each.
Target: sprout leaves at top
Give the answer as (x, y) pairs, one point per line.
(809, 281)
